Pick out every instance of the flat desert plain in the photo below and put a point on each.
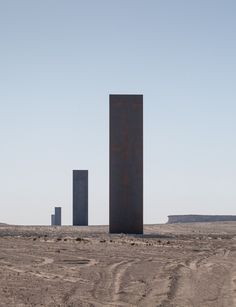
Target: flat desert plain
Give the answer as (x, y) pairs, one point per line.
(170, 265)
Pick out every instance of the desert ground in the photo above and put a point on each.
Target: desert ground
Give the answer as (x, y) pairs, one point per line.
(170, 265)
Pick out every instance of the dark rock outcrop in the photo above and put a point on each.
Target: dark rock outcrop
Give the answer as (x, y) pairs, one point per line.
(195, 218)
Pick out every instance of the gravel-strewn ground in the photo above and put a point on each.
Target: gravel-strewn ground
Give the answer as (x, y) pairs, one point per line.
(170, 265)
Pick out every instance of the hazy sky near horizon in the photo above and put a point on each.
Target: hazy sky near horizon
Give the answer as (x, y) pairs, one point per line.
(59, 62)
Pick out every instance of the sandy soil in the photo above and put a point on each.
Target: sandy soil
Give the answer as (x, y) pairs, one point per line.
(171, 265)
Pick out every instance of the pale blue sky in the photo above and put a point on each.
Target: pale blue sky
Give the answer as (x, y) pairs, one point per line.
(60, 60)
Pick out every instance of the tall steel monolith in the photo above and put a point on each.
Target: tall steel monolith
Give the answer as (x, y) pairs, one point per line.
(126, 164)
(57, 216)
(80, 197)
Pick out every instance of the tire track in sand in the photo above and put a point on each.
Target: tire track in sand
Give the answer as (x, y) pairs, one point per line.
(109, 285)
(194, 278)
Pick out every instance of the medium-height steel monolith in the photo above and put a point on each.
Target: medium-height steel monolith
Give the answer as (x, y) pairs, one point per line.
(80, 197)
(126, 164)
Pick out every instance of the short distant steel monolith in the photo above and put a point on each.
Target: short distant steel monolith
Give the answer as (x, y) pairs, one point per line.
(57, 218)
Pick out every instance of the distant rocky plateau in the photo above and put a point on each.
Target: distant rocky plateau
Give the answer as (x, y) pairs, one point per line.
(197, 218)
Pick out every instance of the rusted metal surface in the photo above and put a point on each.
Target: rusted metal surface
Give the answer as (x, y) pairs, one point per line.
(126, 164)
